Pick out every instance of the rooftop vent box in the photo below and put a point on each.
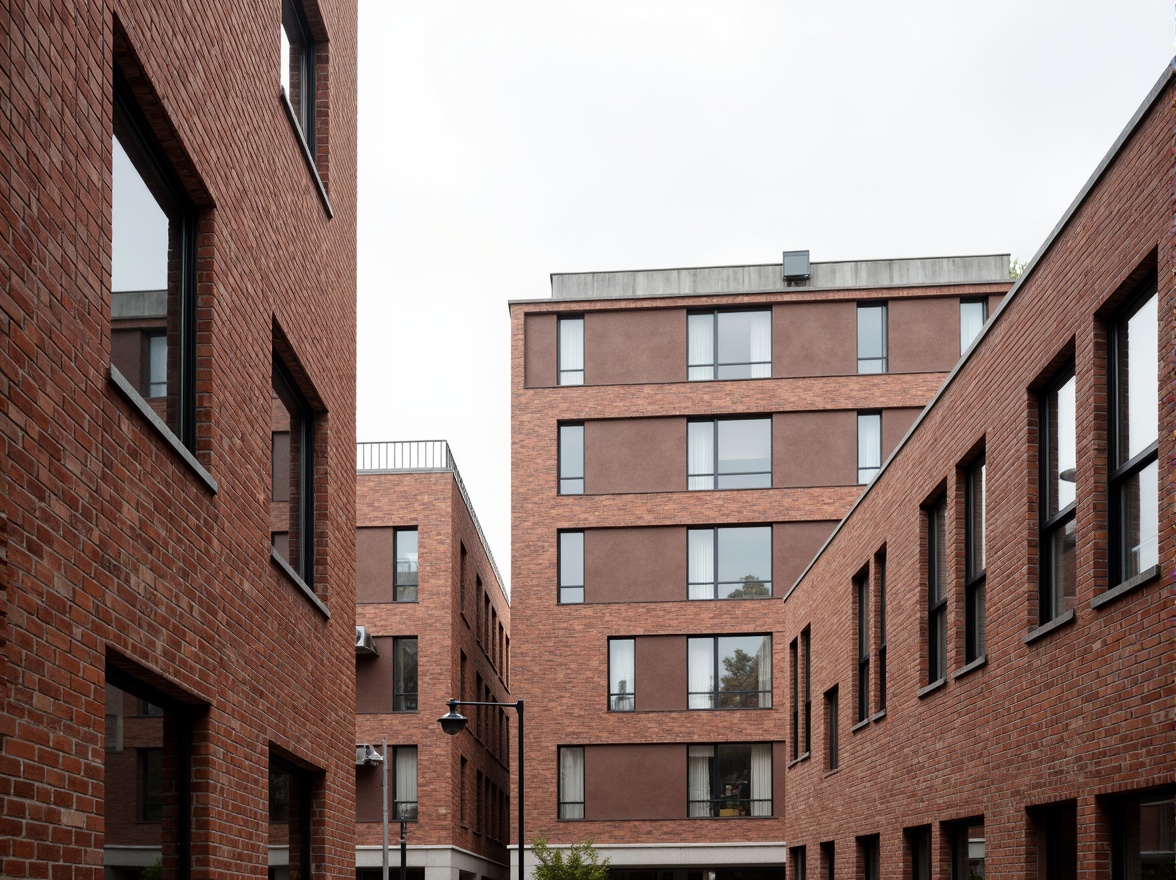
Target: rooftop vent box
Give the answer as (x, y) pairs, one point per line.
(796, 266)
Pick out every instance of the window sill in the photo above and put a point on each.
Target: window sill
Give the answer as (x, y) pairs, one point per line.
(297, 580)
(799, 760)
(931, 688)
(980, 661)
(865, 722)
(127, 390)
(1126, 587)
(1045, 629)
(310, 164)
(878, 716)
(832, 772)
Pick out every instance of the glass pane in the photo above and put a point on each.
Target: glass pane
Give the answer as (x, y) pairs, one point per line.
(1140, 505)
(139, 230)
(571, 345)
(937, 545)
(745, 446)
(973, 313)
(621, 674)
(571, 559)
(976, 519)
(871, 332)
(157, 365)
(744, 337)
(1061, 570)
(733, 768)
(1061, 449)
(571, 459)
(700, 346)
(745, 559)
(406, 556)
(294, 50)
(405, 676)
(1138, 381)
(739, 657)
(869, 446)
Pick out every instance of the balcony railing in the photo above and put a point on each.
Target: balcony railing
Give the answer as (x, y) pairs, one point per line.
(417, 456)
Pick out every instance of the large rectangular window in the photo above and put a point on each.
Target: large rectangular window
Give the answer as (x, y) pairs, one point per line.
(869, 446)
(937, 591)
(1143, 841)
(571, 459)
(621, 675)
(975, 561)
(571, 350)
(571, 782)
(1134, 434)
(407, 564)
(729, 780)
(973, 314)
(862, 596)
(405, 771)
(871, 338)
(404, 675)
(730, 672)
(729, 562)
(153, 273)
(729, 345)
(292, 446)
(571, 568)
(1058, 465)
(729, 454)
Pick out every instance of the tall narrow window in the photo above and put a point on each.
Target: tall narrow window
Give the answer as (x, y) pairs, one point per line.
(1058, 483)
(571, 351)
(832, 734)
(1143, 842)
(621, 675)
(794, 703)
(729, 454)
(730, 672)
(868, 852)
(871, 338)
(1135, 433)
(571, 459)
(153, 273)
(729, 563)
(292, 426)
(729, 345)
(290, 813)
(405, 806)
(862, 590)
(828, 861)
(797, 869)
(807, 660)
(869, 446)
(937, 591)
(975, 563)
(571, 782)
(973, 314)
(407, 565)
(297, 70)
(880, 568)
(967, 850)
(918, 843)
(404, 675)
(571, 567)
(729, 780)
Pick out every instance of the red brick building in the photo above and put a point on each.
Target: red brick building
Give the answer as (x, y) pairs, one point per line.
(980, 661)
(176, 571)
(433, 623)
(683, 443)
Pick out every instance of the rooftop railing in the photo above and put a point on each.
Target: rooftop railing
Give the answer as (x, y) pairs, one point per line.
(419, 456)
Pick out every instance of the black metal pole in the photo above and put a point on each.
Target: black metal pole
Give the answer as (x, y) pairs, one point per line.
(522, 836)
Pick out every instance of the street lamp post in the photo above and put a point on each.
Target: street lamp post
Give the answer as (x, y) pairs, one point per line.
(453, 723)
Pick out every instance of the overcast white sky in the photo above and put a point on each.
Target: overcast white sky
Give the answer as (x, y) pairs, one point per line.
(503, 141)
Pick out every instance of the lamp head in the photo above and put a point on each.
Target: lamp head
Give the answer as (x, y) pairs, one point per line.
(452, 722)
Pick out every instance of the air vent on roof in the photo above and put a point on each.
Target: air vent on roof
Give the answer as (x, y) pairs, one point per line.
(796, 268)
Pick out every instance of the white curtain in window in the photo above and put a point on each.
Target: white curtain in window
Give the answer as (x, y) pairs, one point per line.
(701, 665)
(699, 779)
(764, 660)
(571, 344)
(971, 323)
(761, 345)
(761, 779)
(701, 565)
(406, 773)
(700, 344)
(701, 455)
(869, 441)
(571, 783)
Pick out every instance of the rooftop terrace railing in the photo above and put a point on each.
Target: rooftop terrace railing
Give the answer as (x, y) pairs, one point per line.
(419, 456)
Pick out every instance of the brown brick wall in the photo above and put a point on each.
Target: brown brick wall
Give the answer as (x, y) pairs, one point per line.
(116, 550)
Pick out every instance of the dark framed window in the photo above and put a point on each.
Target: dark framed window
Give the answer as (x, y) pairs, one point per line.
(622, 675)
(571, 350)
(404, 766)
(729, 454)
(975, 560)
(729, 345)
(861, 586)
(729, 672)
(297, 75)
(729, 780)
(967, 849)
(291, 793)
(1058, 485)
(869, 446)
(832, 730)
(797, 867)
(918, 845)
(292, 435)
(571, 782)
(151, 784)
(973, 314)
(1134, 434)
(806, 741)
(1055, 828)
(732, 562)
(828, 860)
(871, 338)
(794, 703)
(153, 273)
(1143, 839)
(404, 674)
(571, 459)
(571, 568)
(868, 851)
(936, 516)
(406, 543)
(880, 569)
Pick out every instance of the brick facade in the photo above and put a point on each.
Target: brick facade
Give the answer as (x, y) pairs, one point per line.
(137, 532)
